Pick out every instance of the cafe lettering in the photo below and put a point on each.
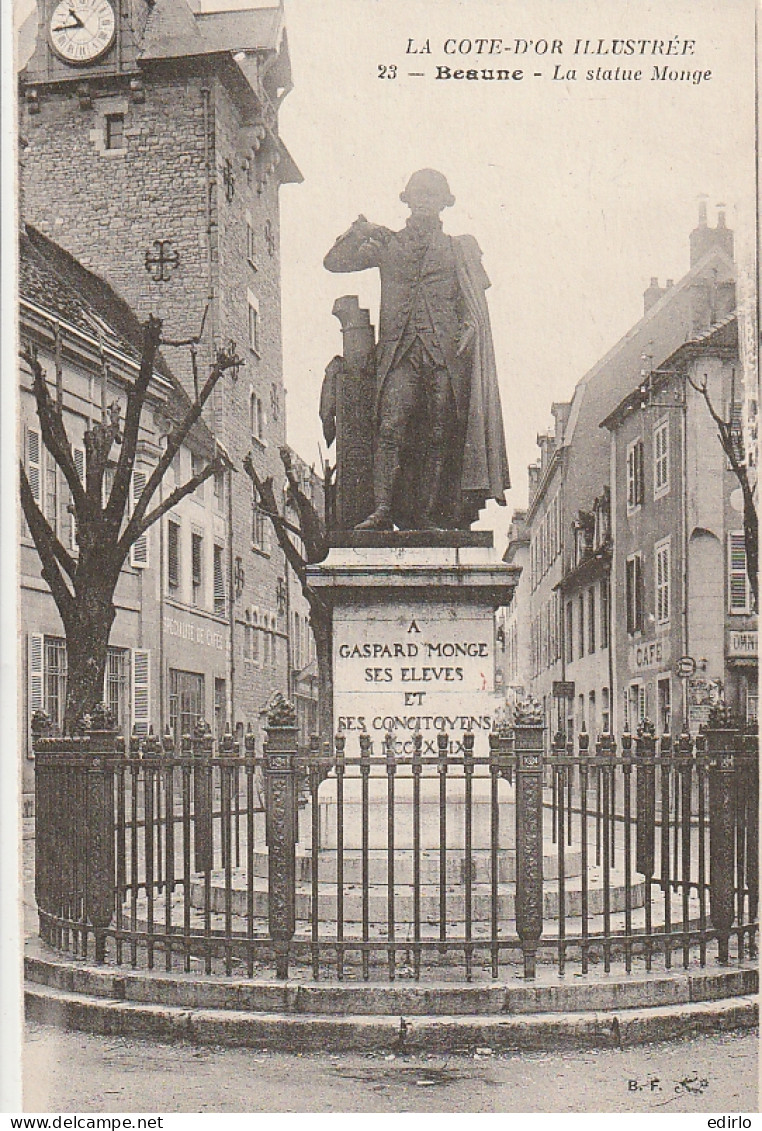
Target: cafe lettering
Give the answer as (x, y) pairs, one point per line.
(650, 655)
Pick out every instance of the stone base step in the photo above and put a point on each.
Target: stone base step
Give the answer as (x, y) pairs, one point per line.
(455, 902)
(436, 996)
(321, 1019)
(456, 865)
(573, 938)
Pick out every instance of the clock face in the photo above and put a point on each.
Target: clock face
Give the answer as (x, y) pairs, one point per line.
(82, 30)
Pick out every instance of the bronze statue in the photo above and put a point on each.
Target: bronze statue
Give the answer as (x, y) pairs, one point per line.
(439, 445)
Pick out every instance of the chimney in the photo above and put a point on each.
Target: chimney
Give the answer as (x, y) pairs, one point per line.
(652, 294)
(533, 474)
(560, 413)
(704, 239)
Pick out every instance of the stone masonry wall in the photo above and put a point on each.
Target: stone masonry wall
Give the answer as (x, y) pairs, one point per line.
(107, 207)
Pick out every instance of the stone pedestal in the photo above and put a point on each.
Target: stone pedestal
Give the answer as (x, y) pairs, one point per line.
(413, 649)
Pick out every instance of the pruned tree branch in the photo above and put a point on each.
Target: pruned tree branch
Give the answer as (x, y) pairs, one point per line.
(117, 501)
(266, 499)
(217, 464)
(312, 528)
(226, 359)
(52, 554)
(52, 427)
(725, 433)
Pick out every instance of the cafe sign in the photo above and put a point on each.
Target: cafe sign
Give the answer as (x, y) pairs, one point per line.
(652, 655)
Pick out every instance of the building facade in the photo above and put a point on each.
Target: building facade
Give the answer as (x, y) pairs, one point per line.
(680, 560)
(167, 660)
(156, 162)
(512, 644)
(576, 580)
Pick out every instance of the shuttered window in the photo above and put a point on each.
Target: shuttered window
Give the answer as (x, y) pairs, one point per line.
(54, 682)
(634, 475)
(139, 549)
(219, 582)
(605, 614)
(634, 594)
(34, 462)
(35, 672)
(739, 590)
(79, 465)
(662, 578)
(51, 491)
(173, 554)
(141, 690)
(197, 566)
(661, 459)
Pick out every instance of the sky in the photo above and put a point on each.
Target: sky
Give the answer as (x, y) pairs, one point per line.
(578, 192)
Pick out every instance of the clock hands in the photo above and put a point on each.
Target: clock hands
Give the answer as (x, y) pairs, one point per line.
(67, 27)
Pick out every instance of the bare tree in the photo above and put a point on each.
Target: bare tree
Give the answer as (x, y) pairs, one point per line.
(731, 438)
(311, 533)
(83, 586)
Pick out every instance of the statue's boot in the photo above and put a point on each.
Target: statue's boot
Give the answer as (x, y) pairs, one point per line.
(433, 481)
(379, 520)
(386, 474)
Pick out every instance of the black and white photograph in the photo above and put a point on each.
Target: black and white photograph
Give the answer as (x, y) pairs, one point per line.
(380, 558)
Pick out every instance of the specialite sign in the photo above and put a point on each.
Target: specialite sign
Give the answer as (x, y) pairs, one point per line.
(411, 671)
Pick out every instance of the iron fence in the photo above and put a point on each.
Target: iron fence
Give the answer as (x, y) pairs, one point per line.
(399, 858)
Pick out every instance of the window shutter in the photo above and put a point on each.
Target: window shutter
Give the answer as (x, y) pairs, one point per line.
(640, 593)
(738, 582)
(219, 582)
(79, 465)
(34, 462)
(139, 549)
(141, 690)
(36, 642)
(173, 553)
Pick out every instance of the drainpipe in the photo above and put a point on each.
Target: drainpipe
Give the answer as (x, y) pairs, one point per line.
(209, 180)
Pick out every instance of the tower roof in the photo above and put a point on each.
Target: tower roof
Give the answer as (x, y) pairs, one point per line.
(173, 31)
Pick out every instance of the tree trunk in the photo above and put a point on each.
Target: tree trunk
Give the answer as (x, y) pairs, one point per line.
(86, 648)
(751, 537)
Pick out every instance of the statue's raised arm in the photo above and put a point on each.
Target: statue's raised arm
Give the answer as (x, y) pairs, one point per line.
(359, 247)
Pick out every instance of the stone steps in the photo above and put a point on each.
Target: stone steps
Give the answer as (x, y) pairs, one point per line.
(481, 903)
(431, 1016)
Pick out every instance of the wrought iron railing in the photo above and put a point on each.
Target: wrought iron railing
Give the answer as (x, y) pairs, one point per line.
(398, 858)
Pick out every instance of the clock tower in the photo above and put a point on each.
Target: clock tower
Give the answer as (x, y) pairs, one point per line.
(153, 156)
(83, 41)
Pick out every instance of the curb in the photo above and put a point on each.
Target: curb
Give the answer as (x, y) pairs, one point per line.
(323, 1033)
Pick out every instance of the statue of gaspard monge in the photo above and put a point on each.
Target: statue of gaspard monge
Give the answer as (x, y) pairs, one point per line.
(439, 443)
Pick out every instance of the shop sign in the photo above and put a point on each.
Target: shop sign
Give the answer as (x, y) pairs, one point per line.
(703, 694)
(649, 656)
(193, 633)
(743, 643)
